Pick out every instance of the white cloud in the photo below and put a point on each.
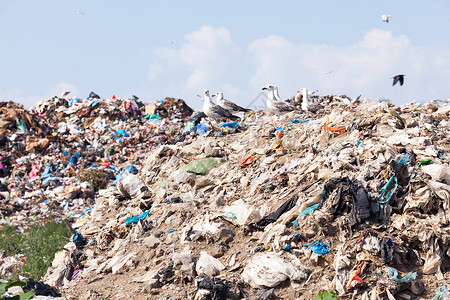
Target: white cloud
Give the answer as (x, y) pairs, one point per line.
(210, 58)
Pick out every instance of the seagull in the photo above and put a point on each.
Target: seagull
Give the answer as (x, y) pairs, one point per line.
(215, 111)
(329, 72)
(398, 78)
(275, 105)
(65, 94)
(385, 18)
(228, 105)
(346, 100)
(298, 97)
(356, 99)
(307, 104)
(94, 95)
(80, 12)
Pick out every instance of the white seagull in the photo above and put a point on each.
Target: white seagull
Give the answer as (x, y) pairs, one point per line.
(307, 104)
(214, 111)
(347, 100)
(385, 18)
(274, 102)
(228, 105)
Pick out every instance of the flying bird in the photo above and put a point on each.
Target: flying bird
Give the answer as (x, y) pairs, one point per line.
(80, 12)
(274, 102)
(385, 18)
(215, 111)
(399, 79)
(228, 105)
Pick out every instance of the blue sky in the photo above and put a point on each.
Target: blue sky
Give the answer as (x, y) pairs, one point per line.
(155, 49)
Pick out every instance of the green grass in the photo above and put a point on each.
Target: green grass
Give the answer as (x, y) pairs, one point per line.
(97, 177)
(9, 241)
(39, 244)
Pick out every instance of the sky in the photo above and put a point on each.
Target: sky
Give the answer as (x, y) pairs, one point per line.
(157, 49)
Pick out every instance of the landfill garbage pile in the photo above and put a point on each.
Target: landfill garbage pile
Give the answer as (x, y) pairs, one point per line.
(354, 200)
(54, 157)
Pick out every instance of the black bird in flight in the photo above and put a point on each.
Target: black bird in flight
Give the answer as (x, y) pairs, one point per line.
(398, 78)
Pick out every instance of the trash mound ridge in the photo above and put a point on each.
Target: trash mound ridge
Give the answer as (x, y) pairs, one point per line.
(354, 200)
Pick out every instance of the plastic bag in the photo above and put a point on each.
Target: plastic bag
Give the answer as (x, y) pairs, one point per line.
(269, 270)
(208, 265)
(436, 171)
(131, 185)
(203, 228)
(318, 247)
(202, 166)
(242, 212)
(407, 277)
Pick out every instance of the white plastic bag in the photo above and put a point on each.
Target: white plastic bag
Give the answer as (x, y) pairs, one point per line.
(131, 185)
(244, 213)
(269, 270)
(208, 265)
(436, 171)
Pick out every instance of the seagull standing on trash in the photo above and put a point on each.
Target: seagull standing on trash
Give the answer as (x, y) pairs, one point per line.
(347, 100)
(385, 18)
(275, 105)
(65, 94)
(307, 104)
(228, 105)
(94, 95)
(399, 79)
(215, 111)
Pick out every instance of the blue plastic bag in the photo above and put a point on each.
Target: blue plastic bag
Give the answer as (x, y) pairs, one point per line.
(201, 129)
(318, 247)
(135, 219)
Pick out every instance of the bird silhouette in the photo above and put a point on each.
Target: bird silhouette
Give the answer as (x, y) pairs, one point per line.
(63, 95)
(399, 79)
(94, 95)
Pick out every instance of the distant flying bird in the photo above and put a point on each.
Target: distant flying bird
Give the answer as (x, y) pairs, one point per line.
(94, 95)
(65, 94)
(171, 43)
(329, 72)
(80, 12)
(215, 111)
(385, 18)
(228, 105)
(274, 102)
(398, 78)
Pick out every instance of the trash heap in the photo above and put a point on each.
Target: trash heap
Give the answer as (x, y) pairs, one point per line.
(55, 157)
(353, 199)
